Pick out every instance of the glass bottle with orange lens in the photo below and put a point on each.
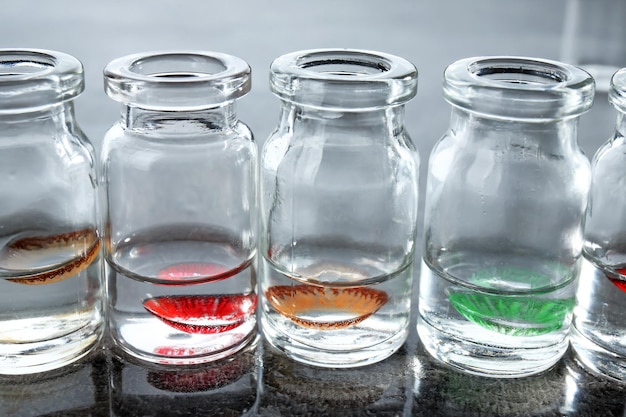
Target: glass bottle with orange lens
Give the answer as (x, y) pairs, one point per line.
(339, 207)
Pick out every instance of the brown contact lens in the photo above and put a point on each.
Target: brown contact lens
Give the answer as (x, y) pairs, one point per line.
(81, 246)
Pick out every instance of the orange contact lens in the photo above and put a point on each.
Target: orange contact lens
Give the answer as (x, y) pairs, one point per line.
(325, 308)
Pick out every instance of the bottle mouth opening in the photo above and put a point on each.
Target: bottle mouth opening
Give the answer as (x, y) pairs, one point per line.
(518, 88)
(35, 78)
(345, 66)
(177, 80)
(177, 66)
(343, 79)
(19, 63)
(545, 74)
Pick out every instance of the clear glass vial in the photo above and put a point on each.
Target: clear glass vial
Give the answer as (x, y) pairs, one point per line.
(339, 188)
(50, 269)
(179, 186)
(506, 194)
(599, 328)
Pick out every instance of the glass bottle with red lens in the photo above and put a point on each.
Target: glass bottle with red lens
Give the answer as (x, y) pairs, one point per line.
(179, 190)
(599, 330)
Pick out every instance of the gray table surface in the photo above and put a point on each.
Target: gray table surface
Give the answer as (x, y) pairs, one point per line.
(258, 381)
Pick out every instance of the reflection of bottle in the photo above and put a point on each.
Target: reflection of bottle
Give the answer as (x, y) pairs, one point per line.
(179, 181)
(593, 38)
(589, 394)
(599, 331)
(50, 269)
(289, 388)
(506, 193)
(339, 207)
(441, 392)
(48, 394)
(224, 387)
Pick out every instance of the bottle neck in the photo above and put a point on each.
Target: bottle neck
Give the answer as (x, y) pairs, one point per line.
(620, 125)
(179, 123)
(57, 116)
(375, 124)
(548, 137)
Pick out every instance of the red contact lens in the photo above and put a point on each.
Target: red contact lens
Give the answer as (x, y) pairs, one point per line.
(203, 314)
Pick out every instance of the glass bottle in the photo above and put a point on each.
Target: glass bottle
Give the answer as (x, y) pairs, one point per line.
(179, 182)
(339, 188)
(506, 194)
(50, 295)
(599, 328)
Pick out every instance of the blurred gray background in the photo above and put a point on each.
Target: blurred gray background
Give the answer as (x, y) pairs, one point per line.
(431, 34)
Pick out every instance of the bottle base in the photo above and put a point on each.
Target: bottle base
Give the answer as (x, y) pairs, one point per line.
(177, 355)
(487, 360)
(596, 358)
(326, 358)
(48, 355)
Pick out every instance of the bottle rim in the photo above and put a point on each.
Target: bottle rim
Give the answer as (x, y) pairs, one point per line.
(523, 88)
(177, 80)
(617, 92)
(343, 79)
(37, 78)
